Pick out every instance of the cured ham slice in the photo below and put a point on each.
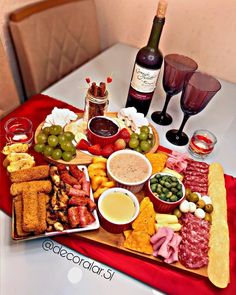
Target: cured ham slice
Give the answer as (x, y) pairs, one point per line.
(165, 244)
(177, 161)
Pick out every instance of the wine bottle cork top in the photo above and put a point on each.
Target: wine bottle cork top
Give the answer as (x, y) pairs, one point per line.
(161, 9)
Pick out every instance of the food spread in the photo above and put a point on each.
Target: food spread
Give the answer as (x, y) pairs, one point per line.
(58, 198)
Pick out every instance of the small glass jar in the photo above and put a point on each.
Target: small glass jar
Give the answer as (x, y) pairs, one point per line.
(202, 143)
(19, 129)
(95, 106)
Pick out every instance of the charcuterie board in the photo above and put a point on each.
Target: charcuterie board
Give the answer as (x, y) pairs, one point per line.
(83, 158)
(115, 241)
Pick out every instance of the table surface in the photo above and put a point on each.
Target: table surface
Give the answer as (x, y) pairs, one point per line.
(28, 263)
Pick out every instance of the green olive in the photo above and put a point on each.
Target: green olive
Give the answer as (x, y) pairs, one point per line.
(200, 204)
(188, 191)
(208, 217)
(193, 197)
(208, 208)
(177, 213)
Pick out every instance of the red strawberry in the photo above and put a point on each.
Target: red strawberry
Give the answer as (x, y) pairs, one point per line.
(95, 149)
(87, 80)
(109, 79)
(119, 144)
(107, 150)
(124, 133)
(83, 145)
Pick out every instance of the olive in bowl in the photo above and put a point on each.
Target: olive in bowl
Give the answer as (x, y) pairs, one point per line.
(165, 191)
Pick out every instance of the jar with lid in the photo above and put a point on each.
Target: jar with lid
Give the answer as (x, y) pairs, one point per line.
(95, 105)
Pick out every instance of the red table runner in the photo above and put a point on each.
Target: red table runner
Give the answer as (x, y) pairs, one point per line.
(161, 277)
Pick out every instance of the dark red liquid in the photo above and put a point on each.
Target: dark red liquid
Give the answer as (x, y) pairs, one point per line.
(103, 127)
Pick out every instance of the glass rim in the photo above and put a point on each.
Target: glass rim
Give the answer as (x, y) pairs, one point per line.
(177, 63)
(6, 125)
(204, 76)
(214, 139)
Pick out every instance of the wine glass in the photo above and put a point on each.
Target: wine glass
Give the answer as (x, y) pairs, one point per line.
(177, 68)
(197, 92)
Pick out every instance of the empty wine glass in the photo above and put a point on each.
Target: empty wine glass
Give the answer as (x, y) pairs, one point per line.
(177, 68)
(197, 93)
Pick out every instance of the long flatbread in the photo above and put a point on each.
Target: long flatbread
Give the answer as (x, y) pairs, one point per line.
(218, 266)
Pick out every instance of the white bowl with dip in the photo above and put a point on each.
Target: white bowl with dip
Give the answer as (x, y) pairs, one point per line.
(117, 209)
(129, 169)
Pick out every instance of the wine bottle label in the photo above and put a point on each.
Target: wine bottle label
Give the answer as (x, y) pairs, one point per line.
(144, 80)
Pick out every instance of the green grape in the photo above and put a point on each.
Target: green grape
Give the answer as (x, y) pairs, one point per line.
(67, 156)
(144, 129)
(69, 135)
(47, 151)
(150, 136)
(57, 154)
(61, 138)
(133, 143)
(39, 147)
(143, 136)
(41, 138)
(134, 136)
(73, 150)
(52, 140)
(67, 146)
(46, 130)
(145, 145)
(55, 129)
(138, 149)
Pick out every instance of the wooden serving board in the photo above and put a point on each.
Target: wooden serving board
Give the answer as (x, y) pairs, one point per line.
(83, 158)
(115, 241)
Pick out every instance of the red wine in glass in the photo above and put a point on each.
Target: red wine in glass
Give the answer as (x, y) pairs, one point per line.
(177, 68)
(197, 93)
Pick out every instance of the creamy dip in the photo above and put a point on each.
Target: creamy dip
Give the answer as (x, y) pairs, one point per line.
(118, 207)
(129, 168)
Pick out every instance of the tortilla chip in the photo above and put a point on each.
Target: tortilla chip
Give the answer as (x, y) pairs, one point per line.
(139, 241)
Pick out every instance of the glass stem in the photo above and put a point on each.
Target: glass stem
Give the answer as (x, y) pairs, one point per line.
(185, 119)
(168, 97)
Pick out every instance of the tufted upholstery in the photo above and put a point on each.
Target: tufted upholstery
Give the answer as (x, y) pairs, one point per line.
(53, 39)
(9, 98)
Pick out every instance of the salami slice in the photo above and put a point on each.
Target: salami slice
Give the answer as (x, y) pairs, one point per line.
(193, 250)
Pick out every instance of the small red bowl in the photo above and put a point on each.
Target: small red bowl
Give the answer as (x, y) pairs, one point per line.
(108, 223)
(162, 206)
(110, 129)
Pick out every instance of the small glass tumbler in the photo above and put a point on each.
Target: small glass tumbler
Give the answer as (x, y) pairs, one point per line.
(201, 143)
(19, 129)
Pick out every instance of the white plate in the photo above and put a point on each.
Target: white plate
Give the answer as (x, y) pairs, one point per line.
(92, 226)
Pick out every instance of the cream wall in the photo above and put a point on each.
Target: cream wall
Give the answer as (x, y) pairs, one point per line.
(202, 29)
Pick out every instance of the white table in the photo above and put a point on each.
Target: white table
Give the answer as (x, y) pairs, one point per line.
(218, 117)
(25, 267)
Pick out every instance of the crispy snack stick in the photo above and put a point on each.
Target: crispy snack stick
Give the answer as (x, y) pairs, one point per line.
(30, 210)
(18, 216)
(34, 173)
(42, 211)
(44, 186)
